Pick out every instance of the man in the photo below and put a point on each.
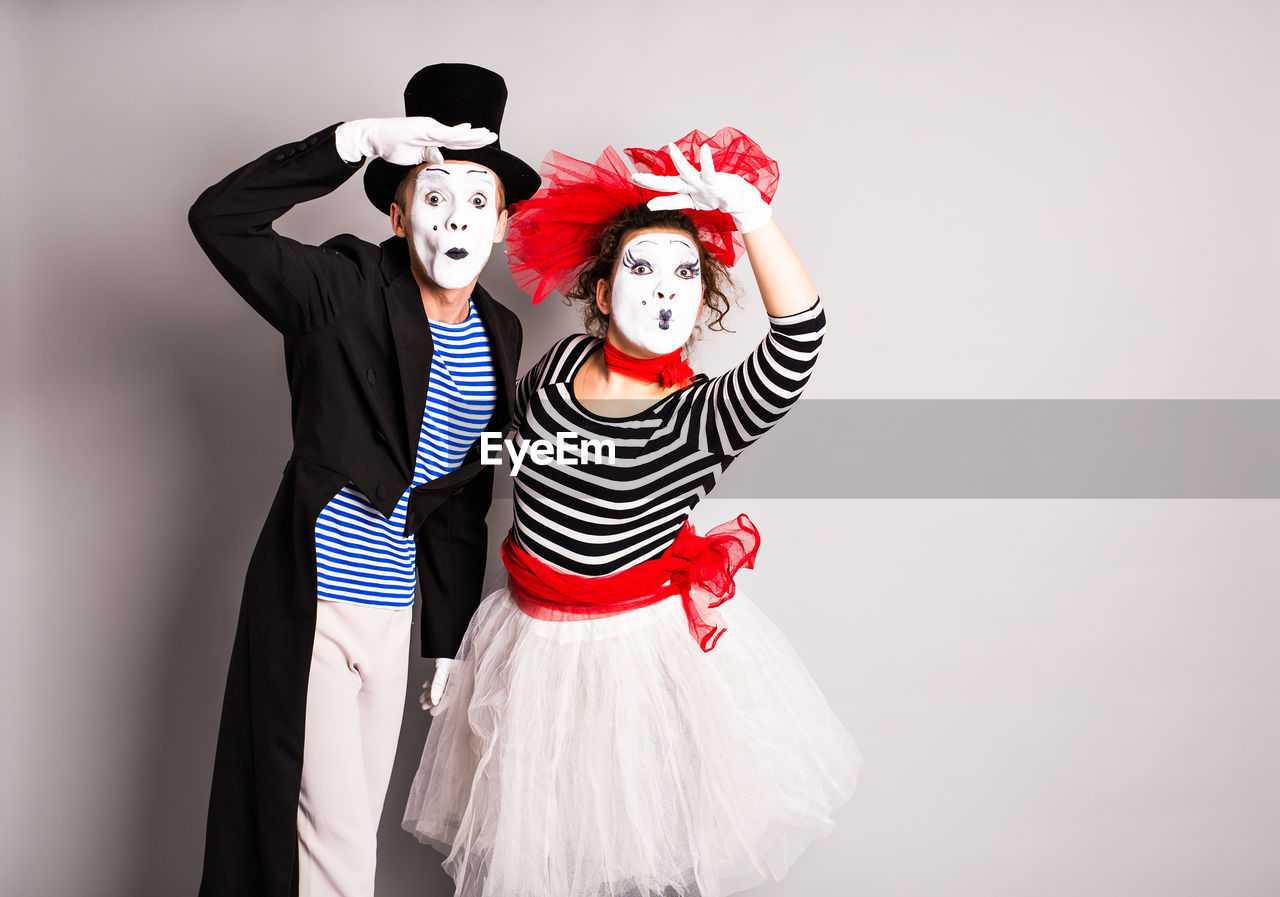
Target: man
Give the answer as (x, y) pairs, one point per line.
(396, 360)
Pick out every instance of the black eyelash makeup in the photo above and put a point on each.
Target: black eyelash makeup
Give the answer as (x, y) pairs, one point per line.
(631, 261)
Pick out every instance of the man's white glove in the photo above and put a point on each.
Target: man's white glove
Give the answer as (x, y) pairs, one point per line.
(707, 189)
(406, 141)
(433, 698)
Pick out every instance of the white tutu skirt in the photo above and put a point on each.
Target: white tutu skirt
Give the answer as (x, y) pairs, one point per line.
(611, 757)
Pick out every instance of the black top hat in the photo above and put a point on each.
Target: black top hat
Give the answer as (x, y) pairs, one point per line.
(453, 93)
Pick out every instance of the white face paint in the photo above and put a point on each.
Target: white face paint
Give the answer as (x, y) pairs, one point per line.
(452, 219)
(657, 291)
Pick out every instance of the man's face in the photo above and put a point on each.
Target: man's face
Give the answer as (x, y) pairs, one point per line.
(452, 221)
(656, 295)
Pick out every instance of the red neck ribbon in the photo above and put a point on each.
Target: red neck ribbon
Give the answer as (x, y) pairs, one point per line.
(699, 568)
(665, 370)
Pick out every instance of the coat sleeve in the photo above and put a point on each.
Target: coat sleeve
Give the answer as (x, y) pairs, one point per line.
(296, 287)
(452, 547)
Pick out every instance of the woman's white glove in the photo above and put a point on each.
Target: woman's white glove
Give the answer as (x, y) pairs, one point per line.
(433, 698)
(406, 141)
(707, 189)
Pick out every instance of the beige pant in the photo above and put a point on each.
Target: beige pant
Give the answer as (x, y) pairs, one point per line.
(355, 701)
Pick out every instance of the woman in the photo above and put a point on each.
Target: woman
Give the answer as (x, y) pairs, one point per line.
(610, 728)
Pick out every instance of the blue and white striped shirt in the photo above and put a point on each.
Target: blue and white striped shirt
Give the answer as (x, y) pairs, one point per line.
(363, 557)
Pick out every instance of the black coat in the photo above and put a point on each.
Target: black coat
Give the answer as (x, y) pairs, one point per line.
(358, 355)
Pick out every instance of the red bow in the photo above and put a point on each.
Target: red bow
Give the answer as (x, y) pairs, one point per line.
(665, 370)
(705, 576)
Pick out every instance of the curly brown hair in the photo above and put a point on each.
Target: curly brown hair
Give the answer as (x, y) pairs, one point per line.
(717, 286)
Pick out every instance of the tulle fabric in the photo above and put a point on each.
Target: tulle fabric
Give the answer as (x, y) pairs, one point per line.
(731, 151)
(554, 232)
(612, 757)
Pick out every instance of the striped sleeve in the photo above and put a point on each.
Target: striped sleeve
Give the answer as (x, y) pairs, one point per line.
(740, 405)
(544, 370)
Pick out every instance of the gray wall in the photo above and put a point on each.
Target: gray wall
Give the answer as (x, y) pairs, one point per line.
(997, 200)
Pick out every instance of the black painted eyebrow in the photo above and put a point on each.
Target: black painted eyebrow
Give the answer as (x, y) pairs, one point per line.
(673, 241)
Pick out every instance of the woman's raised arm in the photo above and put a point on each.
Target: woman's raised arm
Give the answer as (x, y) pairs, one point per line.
(784, 283)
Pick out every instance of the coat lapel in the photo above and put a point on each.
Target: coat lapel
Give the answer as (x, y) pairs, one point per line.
(411, 335)
(502, 346)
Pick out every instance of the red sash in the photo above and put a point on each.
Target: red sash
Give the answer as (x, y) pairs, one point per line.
(699, 568)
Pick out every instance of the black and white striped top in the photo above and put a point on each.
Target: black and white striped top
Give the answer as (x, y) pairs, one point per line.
(594, 518)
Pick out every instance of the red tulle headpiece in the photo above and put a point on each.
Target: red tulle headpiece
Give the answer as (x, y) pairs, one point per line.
(556, 231)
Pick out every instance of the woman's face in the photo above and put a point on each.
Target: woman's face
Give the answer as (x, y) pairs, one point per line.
(656, 295)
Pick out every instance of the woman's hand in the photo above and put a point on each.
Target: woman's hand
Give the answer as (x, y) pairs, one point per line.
(707, 189)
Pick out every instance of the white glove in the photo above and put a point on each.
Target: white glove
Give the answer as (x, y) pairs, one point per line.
(406, 141)
(433, 697)
(707, 189)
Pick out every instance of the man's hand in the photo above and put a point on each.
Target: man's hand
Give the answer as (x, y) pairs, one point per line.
(406, 141)
(433, 698)
(707, 189)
